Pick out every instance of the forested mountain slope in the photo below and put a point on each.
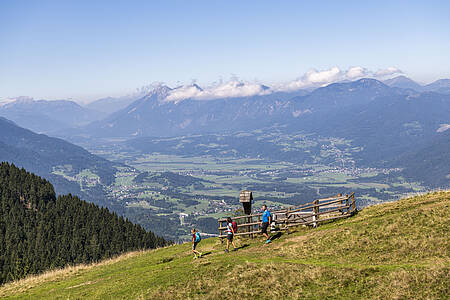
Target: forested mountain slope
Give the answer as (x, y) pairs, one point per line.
(430, 163)
(39, 231)
(390, 126)
(42, 155)
(397, 250)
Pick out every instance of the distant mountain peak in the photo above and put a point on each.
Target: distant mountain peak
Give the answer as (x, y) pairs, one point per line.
(362, 83)
(158, 93)
(404, 83)
(441, 86)
(441, 83)
(197, 87)
(399, 78)
(368, 81)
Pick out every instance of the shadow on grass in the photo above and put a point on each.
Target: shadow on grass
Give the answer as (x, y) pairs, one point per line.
(242, 246)
(206, 253)
(276, 236)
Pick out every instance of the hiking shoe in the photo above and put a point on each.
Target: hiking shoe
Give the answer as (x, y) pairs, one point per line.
(268, 241)
(226, 250)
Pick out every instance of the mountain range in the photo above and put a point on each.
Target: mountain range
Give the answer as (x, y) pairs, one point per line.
(439, 86)
(384, 119)
(48, 116)
(154, 115)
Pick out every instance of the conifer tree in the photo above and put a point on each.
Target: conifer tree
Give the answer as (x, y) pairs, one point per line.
(39, 231)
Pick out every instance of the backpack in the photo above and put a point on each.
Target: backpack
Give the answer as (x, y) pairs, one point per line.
(234, 225)
(197, 237)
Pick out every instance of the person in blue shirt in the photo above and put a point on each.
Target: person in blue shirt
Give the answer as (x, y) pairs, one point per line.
(266, 220)
(195, 240)
(230, 234)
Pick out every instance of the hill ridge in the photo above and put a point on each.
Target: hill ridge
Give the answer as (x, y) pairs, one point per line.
(391, 250)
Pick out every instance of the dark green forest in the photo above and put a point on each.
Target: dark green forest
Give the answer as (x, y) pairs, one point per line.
(39, 231)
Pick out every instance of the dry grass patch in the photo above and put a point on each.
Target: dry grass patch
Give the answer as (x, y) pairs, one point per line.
(293, 281)
(413, 234)
(32, 281)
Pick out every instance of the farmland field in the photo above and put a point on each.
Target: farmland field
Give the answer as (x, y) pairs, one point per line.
(179, 182)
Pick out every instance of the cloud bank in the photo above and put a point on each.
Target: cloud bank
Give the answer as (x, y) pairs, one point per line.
(387, 72)
(313, 78)
(231, 89)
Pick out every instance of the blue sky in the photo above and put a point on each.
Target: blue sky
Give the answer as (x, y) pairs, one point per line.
(89, 49)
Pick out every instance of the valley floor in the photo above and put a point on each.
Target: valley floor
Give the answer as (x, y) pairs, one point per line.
(397, 250)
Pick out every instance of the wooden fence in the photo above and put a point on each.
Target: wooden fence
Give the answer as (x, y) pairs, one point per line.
(312, 213)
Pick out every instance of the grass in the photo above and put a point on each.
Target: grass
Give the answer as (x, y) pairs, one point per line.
(397, 250)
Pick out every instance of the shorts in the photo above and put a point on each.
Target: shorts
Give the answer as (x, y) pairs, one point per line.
(230, 237)
(194, 245)
(264, 227)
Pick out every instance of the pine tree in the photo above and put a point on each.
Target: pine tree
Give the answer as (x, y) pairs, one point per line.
(39, 231)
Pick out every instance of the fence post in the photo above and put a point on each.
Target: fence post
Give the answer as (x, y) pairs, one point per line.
(220, 231)
(353, 203)
(316, 212)
(347, 203)
(250, 227)
(288, 210)
(286, 219)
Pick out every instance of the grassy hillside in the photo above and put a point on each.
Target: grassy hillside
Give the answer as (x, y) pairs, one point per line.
(396, 250)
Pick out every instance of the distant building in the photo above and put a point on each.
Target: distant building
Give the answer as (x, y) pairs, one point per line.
(182, 216)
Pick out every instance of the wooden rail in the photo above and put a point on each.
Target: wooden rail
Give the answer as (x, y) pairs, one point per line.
(312, 213)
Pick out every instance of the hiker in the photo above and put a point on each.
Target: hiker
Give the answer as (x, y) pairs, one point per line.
(235, 227)
(266, 220)
(195, 240)
(230, 234)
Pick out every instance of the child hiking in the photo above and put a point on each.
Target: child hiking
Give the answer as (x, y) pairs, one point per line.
(266, 220)
(230, 234)
(195, 240)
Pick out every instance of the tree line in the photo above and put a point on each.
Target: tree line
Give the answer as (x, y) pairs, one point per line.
(39, 231)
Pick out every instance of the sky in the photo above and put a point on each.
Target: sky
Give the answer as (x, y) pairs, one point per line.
(84, 50)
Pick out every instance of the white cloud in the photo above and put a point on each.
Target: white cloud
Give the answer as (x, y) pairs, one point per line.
(231, 89)
(184, 92)
(238, 88)
(316, 78)
(319, 77)
(356, 72)
(387, 72)
(312, 78)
